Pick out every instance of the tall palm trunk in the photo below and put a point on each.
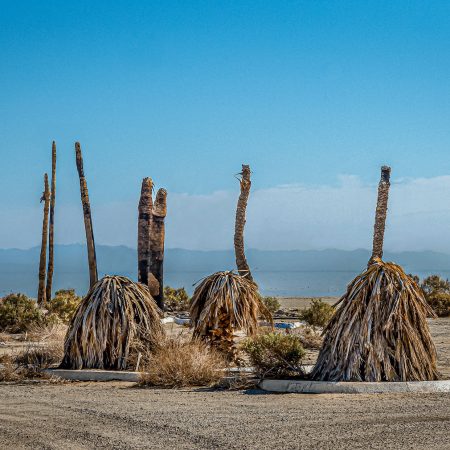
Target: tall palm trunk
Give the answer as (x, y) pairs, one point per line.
(241, 261)
(92, 258)
(157, 244)
(50, 269)
(46, 199)
(380, 214)
(144, 224)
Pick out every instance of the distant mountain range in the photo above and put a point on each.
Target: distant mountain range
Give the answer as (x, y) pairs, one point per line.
(18, 268)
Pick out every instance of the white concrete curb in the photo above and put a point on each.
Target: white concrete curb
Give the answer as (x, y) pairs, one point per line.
(329, 387)
(94, 375)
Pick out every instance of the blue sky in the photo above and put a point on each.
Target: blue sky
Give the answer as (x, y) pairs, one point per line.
(307, 92)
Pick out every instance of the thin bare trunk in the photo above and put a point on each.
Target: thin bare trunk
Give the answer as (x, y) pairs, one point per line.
(50, 268)
(144, 225)
(241, 261)
(380, 214)
(92, 258)
(42, 262)
(157, 244)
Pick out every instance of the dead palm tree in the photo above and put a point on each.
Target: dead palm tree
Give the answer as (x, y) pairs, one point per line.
(116, 316)
(379, 332)
(225, 302)
(41, 299)
(50, 269)
(92, 258)
(157, 236)
(144, 224)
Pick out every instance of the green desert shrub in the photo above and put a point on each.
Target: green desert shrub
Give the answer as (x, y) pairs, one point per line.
(440, 302)
(63, 305)
(18, 313)
(274, 354)
(271, 303)
(176, 299)
(318, 314)
(437, 294)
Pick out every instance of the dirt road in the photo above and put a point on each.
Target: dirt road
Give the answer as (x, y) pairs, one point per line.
(114, 415)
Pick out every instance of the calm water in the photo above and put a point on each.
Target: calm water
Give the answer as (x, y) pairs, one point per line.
(283, 284)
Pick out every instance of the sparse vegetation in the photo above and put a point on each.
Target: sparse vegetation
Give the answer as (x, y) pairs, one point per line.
(30, 362)
(271, 303)
(64, 305)
(180, 363)
(275, 354)
(176, 299)
(18, 313)
(437, 294)
(318, 314)
(309, 337)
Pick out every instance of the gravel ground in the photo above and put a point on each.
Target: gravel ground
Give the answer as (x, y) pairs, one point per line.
(120, 416)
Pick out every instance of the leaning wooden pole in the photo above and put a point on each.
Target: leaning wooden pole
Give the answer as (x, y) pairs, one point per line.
(380, 214)
(144, 224)
(41, 299)
(92, 258)
(157, 235)
(51, 234)
(241, 260)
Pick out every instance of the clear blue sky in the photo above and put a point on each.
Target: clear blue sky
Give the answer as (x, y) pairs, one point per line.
(186, 91)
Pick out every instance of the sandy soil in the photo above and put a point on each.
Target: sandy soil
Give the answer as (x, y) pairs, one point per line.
(117, 415)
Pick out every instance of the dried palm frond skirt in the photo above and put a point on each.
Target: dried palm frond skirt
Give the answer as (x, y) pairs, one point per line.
(115, 315)
(379, 332)
(223, 303)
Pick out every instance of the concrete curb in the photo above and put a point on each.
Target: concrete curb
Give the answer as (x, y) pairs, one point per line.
(94, 375)
(329, 387)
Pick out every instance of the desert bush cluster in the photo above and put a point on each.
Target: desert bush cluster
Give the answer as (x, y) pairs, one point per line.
(19, 314)
(437, 294)
(176, 299)
(271, 303)
(275, 354)
(318, 314)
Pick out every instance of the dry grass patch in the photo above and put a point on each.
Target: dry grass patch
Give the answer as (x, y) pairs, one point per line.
(309, 337)
(181, 363)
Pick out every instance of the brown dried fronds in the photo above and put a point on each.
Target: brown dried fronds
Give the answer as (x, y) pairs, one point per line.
(379, 332)
(115, 313)
(177, 362)
(223, 303)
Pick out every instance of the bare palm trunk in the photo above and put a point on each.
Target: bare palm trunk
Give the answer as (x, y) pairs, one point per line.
(42, 262)
(144, 225)
(157, 235)
(380, 214)
(50, 268)
(241, 261)
(92, 258)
